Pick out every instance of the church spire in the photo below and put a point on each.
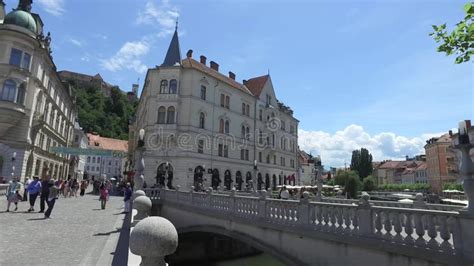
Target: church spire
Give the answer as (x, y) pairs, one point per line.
(173, 55)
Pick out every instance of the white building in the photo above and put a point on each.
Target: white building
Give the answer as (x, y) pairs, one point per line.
(112, 166)
(203, 125)
(36, 110)
(80, 141)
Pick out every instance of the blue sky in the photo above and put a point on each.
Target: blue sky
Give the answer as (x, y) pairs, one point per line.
(361, 73)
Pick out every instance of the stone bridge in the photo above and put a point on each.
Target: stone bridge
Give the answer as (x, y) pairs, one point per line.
(306, 232)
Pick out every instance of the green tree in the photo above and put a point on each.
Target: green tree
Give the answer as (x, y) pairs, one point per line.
(369, 183)
(352, 186)
(461, 40)
(361, 162)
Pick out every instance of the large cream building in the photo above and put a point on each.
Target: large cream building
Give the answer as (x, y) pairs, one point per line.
(202, 125)
(36, 111)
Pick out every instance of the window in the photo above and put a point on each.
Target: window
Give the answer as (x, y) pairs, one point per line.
(283, 127)
(201, 146)
(20, 97)
(247, 110)
(170, 115)
(15, 57)
(247, 133)
(242, 154)
(243, 132)
(226, 151)
(88, 159)
(8, 91)
(247, 155)
(173, 86)
(110, 163)
(25, 63)
(222, 100)
(283, 161)
(260, 157)
(260, 137)
(227, 126)
(269, 100)
(93, 159)
(260, 115)
(292, 129)
(268, 158)
(202, 120)
(292, 163)
(220, 150)
(227, 102)
(243, 109)
(88, 168)
(221, 126)
(161, 115)
(164, 86)
(274, 159)
(203, 92)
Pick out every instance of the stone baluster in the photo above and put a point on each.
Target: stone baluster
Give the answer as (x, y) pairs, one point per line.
(347, 220)
(387, 225)
(445, 234)
(153, 238)
(325, 211)
(319, 217)
(355, 222)
(339, 220)
(262, 204)
(364, 213)
(192, 194)
(303, 210)
(420, 231)
(419, 202)
(432, 233)
(397, 226)
(332, 215)
(233, 204)
(209, 198)
(378, 225)
(409, 230)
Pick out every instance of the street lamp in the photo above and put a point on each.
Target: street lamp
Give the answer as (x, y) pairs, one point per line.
(13, 164)
(139, 179)
(254, 178)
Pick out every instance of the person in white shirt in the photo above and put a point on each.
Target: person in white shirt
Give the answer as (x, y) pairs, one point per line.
(284, 194)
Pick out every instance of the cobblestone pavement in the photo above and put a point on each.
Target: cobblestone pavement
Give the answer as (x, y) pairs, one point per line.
(78, 233)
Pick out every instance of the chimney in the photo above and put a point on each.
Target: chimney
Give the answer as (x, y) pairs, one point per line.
(215, 66)
(231, 75)
(189, 54)
(203, 59)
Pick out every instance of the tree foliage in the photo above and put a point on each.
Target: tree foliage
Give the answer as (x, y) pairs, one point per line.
(461, 40)
(107, 116)
(369, 183)
(453, 186)
(361, 162)
(352, 186)
(401, 187)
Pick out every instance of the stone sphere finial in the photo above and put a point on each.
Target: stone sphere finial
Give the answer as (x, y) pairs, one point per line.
(143, 206)
(419, 197)
(138, 193)
(306, 195)
(153, 238)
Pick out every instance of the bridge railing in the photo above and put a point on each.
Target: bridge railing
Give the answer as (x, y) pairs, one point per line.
(431, 232)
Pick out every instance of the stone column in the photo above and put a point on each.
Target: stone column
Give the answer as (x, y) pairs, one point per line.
(304, 209)
(262, 204)
(364, 214)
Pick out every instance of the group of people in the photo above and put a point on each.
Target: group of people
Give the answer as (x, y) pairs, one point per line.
(286, 193)
(48, 189)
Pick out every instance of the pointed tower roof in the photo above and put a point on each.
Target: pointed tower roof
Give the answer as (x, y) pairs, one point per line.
(173, 56)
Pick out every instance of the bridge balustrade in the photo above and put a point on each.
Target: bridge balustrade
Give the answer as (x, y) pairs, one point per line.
(423, 229)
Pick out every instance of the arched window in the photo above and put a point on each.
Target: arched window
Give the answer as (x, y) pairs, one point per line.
(202, 120)
(8, 91)
(247, 133)
(227, 127)
(161, 115)
(221, 126)
(243, 132)
(173, 86)
(164, 86)
(170, 115)
(20, 98)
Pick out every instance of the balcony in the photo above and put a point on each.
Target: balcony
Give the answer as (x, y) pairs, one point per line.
(10, 114)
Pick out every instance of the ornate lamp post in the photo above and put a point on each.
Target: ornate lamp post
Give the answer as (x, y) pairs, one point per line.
(254, 178)
(13, 164)
(139, 178)
(466, 167)
(319, 180)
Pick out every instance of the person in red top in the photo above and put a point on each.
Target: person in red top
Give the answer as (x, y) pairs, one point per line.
(104, 193)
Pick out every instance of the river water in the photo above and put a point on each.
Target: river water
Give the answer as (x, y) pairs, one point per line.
(257, 260)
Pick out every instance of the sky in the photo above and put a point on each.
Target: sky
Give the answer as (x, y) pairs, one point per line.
(356, 73)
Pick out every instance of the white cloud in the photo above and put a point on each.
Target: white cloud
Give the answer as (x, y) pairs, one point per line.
(85, 58)
(128, 57)
(163, 15)
(76, 42)
(54, 7)
(336, 149)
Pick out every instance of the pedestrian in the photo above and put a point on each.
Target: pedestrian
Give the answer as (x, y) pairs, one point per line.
(53, 195)
(25, 191)
(284, 194)
(13, 193)
(127, 197)
(104, 194)
(34, 189)
(84, 185)
(44, 193)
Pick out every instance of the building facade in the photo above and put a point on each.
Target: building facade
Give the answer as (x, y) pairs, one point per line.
(81, 142)
(441, 162)
(307, 172)
(204, 127)
(110, 166)
(36, 111)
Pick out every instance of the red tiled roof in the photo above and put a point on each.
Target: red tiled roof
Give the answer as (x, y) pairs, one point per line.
(255, 85)
(96, 141)
(390, 165)
(191, 63)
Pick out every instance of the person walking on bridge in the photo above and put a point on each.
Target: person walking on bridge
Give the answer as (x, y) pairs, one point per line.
(127, 197)
(13, 193)
(53, 195)
(44, 193)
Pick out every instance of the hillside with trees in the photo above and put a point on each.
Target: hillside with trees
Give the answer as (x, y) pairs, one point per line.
(103, 115)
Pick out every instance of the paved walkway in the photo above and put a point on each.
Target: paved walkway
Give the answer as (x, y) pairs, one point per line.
(78, 233)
